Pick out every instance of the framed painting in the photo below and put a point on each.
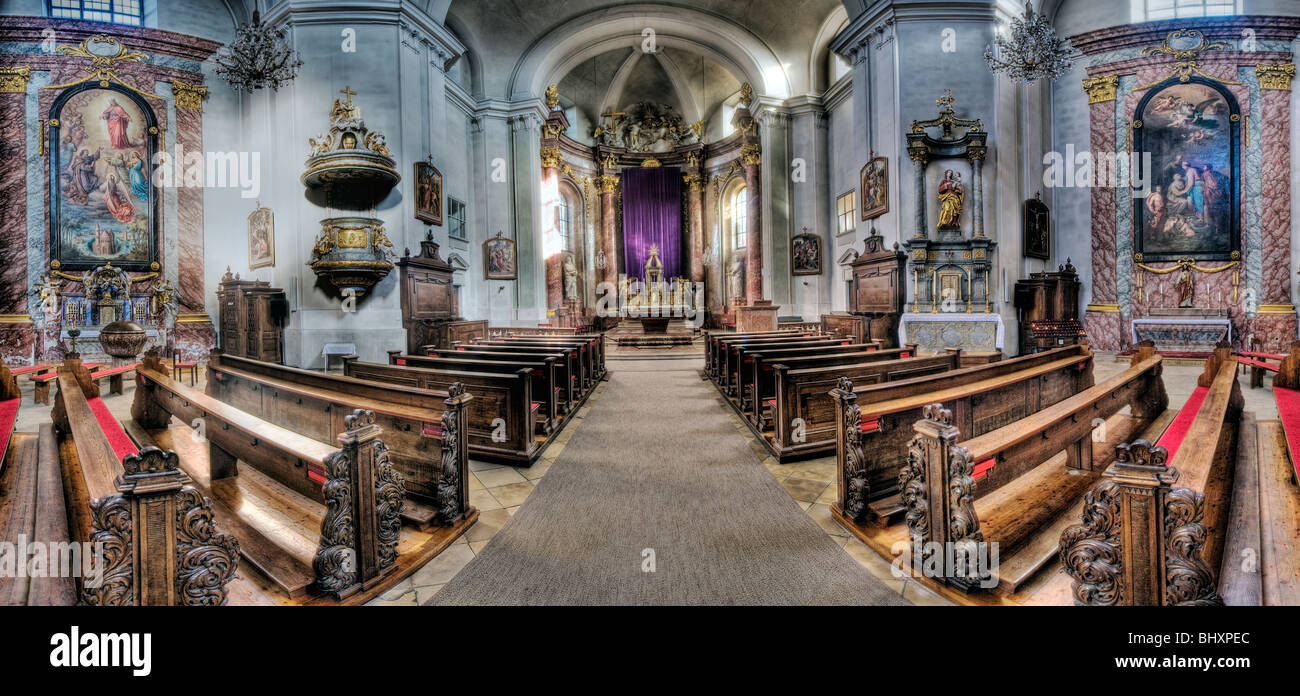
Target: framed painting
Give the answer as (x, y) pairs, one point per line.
(875, 188)
(499, 258)
(806, 254)
(1037, 230)
(428, 193)
(261, 238)
(1192, 208)
(103, 205)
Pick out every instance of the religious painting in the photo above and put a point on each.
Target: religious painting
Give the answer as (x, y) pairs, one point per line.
(806, 254)
(875, 188)
(499, 258)
(1191, 208)
(102, 201)
(261, 238)
(428, 193)
(1037, 229)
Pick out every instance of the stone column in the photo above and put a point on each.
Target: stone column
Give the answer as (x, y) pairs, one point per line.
(753, 159)
(1275, 315)
(555, 124)
(18, 342)
(977, 193)
(607, 185)
(695, 183)
(918, 166)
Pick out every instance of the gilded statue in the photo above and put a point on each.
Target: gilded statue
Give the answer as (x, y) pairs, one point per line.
(951, 195)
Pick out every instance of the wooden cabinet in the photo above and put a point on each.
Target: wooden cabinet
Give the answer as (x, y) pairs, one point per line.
(878, 293)
(251, 319)
(1048, 304)
(431, 303)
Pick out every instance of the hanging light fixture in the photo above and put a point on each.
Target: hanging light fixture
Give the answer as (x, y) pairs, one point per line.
(258, 57)
(1033, 50)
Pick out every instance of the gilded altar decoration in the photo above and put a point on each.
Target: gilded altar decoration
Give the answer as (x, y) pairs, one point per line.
(550, 157)
(553, 97)
(651, 162)
(1185, 284)
(428, 193)
(951, 195)
(350, 167)
(1186, 47)
(13, 79)
(1190, 127)
(104, 53)
(258, 57)
(746, 95)
(751, 154)
(1276, 76)
(499, 261)
(1101, 89)
(873, 183)
(189, 96)
(261, 238)
(104, 206)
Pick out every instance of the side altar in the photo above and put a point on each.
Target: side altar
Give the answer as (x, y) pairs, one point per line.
(950, 267)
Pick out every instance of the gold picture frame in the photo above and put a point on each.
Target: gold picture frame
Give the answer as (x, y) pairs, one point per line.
(873, 187)
(261, 238)
(428, 193)
(499, 259)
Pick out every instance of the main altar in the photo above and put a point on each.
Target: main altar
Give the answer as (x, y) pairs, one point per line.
(950, 267)
(80, 306)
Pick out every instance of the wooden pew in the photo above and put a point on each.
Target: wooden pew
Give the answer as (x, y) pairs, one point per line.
(544, 373)
(160, 544)
(877, 418)
(743, 367)
(363, 493)
(717, 358)
(499, 426)
(757, 386)
(1154, 527)
(315, 405)
(733, 355)
(42, 379)
(713, 339)
(1286, 392)
(990, 494)
(568, 361)
(10, 400)
(590, 347)
(514, 331)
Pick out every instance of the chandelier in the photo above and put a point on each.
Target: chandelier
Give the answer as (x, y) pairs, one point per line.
(257, 58)
(1032, 52)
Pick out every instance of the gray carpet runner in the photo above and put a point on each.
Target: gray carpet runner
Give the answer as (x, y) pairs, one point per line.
(657, 472)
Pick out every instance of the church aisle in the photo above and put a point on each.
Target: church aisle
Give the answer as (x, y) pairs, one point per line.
(658, 499)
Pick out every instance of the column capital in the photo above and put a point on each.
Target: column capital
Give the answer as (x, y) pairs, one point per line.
(1101, 89)
(13, 79)
(1275, 75)
(751, 154)
(189, 96)
(607, 184)
(550, 157)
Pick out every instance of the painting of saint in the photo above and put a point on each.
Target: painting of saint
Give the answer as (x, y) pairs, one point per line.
(428, 193)
(1191, 209)
(499, 258)
(104, 201)
(261, 238)
(875, 188)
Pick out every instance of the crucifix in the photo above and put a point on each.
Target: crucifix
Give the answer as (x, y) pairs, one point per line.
(347, 91)
(346, 110)
(613, 116)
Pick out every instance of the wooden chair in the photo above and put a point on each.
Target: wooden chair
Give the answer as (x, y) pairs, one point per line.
(179, 368)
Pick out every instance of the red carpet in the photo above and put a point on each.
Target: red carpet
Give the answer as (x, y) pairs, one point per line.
(1288, 409)
(1177, 430)
(8, 414)
(117, 438)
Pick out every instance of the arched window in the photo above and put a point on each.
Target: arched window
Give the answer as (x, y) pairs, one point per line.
(566, 222)
(117, 11)
(735, 213)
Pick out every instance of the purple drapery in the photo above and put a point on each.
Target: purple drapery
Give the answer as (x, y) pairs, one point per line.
(652, 214)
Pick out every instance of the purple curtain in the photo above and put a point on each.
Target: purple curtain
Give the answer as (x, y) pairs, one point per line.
(652, 205)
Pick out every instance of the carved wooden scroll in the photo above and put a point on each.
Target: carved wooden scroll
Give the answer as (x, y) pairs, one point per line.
(453, 481)
(1140, 540)
(854, 483)
(364, 497)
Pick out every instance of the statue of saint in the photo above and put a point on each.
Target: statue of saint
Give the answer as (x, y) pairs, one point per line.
(570, 278)
(951, 195)
(735, 273)
(1186, 288)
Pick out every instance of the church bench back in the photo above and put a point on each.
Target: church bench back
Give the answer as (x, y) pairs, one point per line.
(316, 405)
(498, 399)
(883, 413)
(733, 355)
(569, 367)
(714, 338)
(758, 368)
(718, 350)
(544, 373)
(944, 483)
(591, 349)
(363, 494)
(1165, 545)
(132, 506)
(803, 419)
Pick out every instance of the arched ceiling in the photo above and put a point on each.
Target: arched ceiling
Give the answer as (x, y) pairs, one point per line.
(522, 46)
